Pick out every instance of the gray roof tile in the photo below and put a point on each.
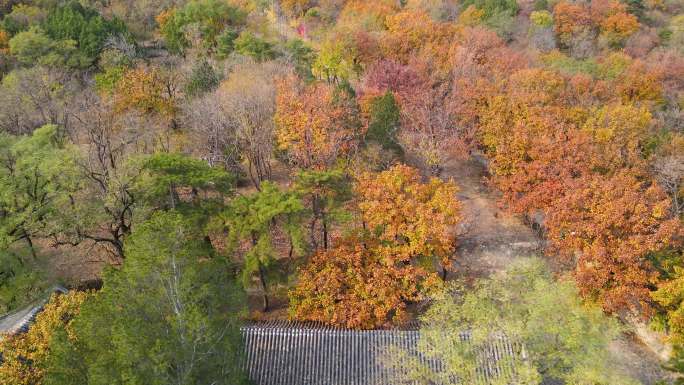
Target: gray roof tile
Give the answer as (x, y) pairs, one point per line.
(291, 353)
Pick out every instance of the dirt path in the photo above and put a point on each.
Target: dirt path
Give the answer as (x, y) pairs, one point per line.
(492, 239)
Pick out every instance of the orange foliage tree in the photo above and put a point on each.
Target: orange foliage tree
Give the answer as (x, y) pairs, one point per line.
(24, 356)
(296, 8)
(609, 18)
(369, 277)
(4, 42)
(369, 14)
(145, 90)
(414, 33)
(357, 285)
(315, 124)
(606, 226)
(571, 19)
(639, 84)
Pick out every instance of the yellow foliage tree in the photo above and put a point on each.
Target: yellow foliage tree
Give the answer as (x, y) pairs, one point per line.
(413, 220)
(145, 90)
(24, 355)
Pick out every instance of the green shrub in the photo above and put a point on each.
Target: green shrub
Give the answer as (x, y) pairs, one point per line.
(249, 44)
(225, 43)
(202, 79)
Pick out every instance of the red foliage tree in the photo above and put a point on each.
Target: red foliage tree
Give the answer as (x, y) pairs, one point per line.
(606, 226)
(315, 124)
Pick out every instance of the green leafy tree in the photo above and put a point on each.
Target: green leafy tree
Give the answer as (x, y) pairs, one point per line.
(37, 173)
(384, 121)
(301, 56)
(29, 46)
(559, 337)
(172, 180)
(203, 79)
(22, 17)
(170, 315)
(338, 59)
(670, 295)
(326, 193)
(35, 47)
(85, 26)
(252, 222)
(21, 281)
(225, 43)
(116, 199)
(493, 7)
(249, 44)
(211, 17)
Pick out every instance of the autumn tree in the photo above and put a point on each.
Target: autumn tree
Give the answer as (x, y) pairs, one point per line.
(669, 296)
(147, 91)
(33, 97)
(315, 124)
(371, 15)
(669, 169)
(605, 227)
(414, 220)
(411, 32)
(102, 210)
(358, 284)
(620, 132)
(429, 130)
(577, 23)
(247, 105)
(121, 185)
(25, 356)
(296, 8)
(478, 63)
(391, 76)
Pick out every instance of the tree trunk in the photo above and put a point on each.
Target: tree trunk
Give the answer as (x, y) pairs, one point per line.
(312, 226)
(29, 242)
(262, 279)
(325, 232)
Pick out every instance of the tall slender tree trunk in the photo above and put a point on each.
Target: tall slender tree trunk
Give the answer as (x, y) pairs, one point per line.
(325, 231)
(312, 226)
(262, 279)
(32, 249)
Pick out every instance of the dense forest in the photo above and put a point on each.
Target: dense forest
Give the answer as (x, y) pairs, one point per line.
(186, 166)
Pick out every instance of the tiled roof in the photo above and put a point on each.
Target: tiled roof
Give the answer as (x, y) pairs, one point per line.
(287, 353)
(19, 321)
